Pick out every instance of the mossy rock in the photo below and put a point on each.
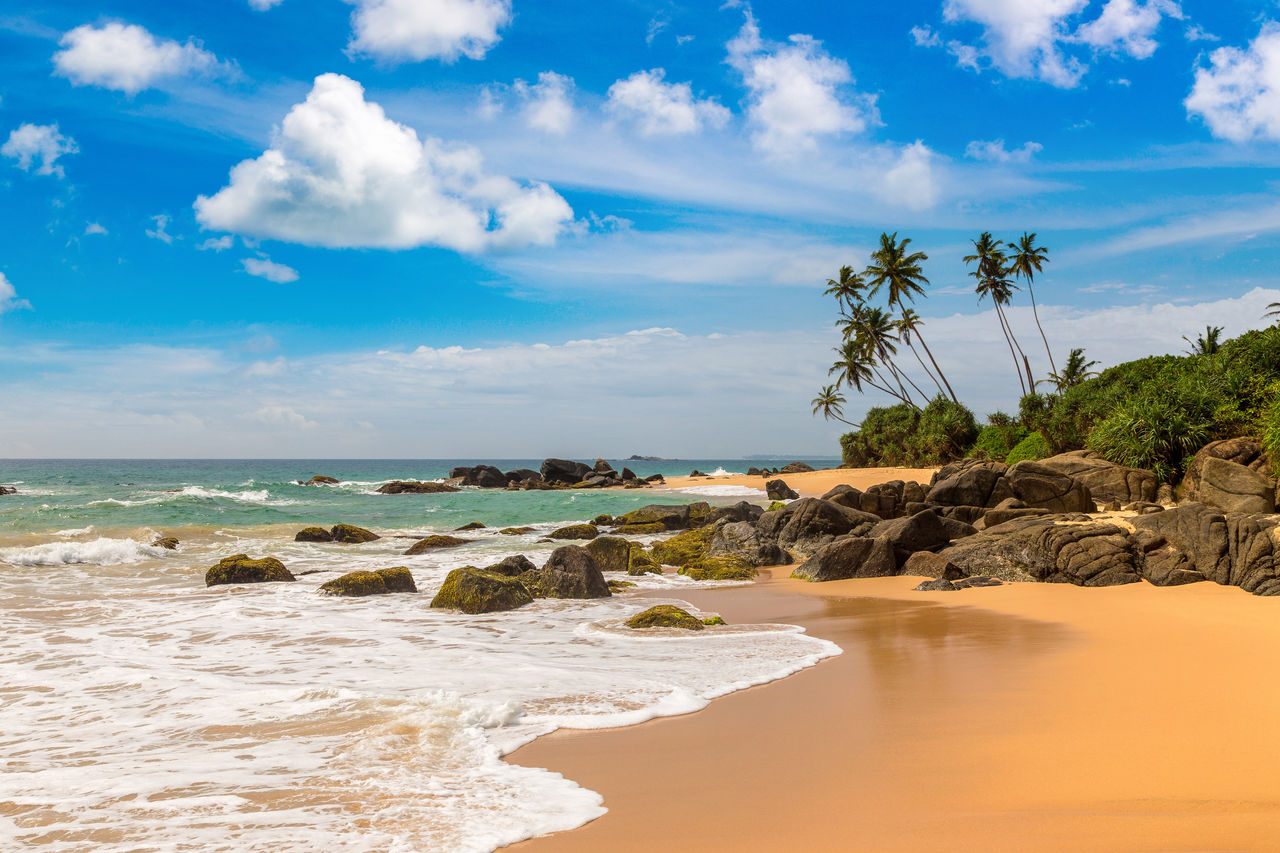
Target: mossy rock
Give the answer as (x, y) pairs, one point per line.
(775, 506)
(397, 579)
(641, 563)
(349, 534)
(713, 620)
(413, 487)
(473, 590)
(168, 543)
(515, 531)
(575, 531)
(700, 514)
(380, 582)
(603, 518)
(619, 586)
(238, 568)
(470, 525)
(313, 534)
(719, 569)
(665, 616)
(642, 529)
(431, 543)
(683, 549)
(513, 566)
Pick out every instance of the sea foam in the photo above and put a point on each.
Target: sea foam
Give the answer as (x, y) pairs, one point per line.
(101, 552)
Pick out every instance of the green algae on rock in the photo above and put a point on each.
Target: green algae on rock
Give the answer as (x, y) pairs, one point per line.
(665, 616)
(473, 590)
(432, 542)
(683, 548)
(351, 535)
(515, 531)
(380, 582)
(711, 621)
(470, 525)
(575, 531)
(238, 569)
(313, 534)
(397, 579)
(719, 569)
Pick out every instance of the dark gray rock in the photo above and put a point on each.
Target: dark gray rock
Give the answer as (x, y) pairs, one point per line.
(413, 487)
(564, 471)
(1042, 487)
(923, 531)
(513, 566)
(1038, 549)
(930, 565)
(970, 483)
(850, 557)
(571, 572)
(1106, 481)
(1244, 451)
(1232, 487)
(805, 525)
(777, 490)
(741, 539)
(796, 468)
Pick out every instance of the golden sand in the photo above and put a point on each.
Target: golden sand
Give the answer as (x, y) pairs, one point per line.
(812, 484)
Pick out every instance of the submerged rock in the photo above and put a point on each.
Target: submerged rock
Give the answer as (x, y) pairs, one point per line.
(313, 534)
(430, 543)
(473, 590)
(239, 569)
(575, 531)
(320, 480)
(470, 525)
(665, 616)
(380, 582)
(8, 490)
(349, 534)
(515, 531)
(168, 543)
(413, 487)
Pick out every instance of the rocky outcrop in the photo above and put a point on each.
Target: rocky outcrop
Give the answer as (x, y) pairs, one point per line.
(1041, 549)
(923, 531)
(564, 471)
(431, 543)
(978, 484)
(742, 540)
(1105, 480)
(239, 569)
(1043, 488)
(380, 582)
(741, 511)
(795, 468)
(570, 572)
(320, 480)
(777, 490)
(522, 475)
(482, 476)
(473, 590)
(665, 616)
(350, 534)
(615, 554)
(1195, 542)
(1232, 487)
(575, 531)
(658, 518)
(1244, 451)
(414, 487)
(719, 569)
(806, 525)
(850, 557)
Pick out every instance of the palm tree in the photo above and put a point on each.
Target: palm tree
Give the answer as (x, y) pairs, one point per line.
(830, 402)
(909, 327)
(1206, 344)
(893, 267)
(1273, 311)
(1075, 371)
(855, 367)
(846, 287)
(1026, 262)
(993, 281)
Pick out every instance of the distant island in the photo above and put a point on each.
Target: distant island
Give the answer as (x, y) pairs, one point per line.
(650, 459)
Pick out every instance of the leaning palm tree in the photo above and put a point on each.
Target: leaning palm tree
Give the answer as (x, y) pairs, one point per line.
(846, 287)
(830, 403)
(908, 329)
(880, 334)
(894, 268)
(1027, 260)
(994, 281)
(1206, 344)
(1074, 372)
(855, 367)
(1273, 311)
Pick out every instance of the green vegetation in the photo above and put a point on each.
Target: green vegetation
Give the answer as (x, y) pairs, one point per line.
(1031, 448)
(909, 437)
(996, 441)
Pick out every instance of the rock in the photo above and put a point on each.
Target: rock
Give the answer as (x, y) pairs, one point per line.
(483, 476)
(1195, 542)
(795, 468)
(168, 543)
(616, 587)
(8, 490)
(806, 525)
(850, 557)
(655, 478)
(1244, 451)
(523, 475)
(615, 554)
(741, 511)
(923, 531)
(665, 616)
(1039, 486)
(602, 519)
(564, 471)
(380, 582)
(1002, 513)
(349, 534)
(969, 483)
(845, 495)
(978, 581)
(239, 569)
(514, 566)
(1039, 549)
(740, 539)
(575, 531)
(1164, 495)
(571, 572)
(628, 475)
(936, 585)
(320, 480)
(473, 590)
(413, 487)
(655, 518)
(431, 543)
(755, 472)
(777, 490)
(696, 473)
(1106, 481)
(719, 569)
(1143, 507)
(1232, 487)
(956, 528)
(313, 534)
(515, 531)
(930, 565)
(603, 467)
(684, 548)
(891, 499)
(470, 525)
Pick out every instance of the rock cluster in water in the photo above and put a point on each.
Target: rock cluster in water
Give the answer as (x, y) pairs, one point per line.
(553, 474)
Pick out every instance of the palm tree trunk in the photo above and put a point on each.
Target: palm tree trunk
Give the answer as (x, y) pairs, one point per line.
(1008, 339)
(941, 375)
(1030, 382)
(893, 371)
(1036, 314)
(927, 371)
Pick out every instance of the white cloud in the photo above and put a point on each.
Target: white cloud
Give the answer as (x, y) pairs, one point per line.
(341, 174)
(796, 92)
(662, 108)
(264, 5)
(159, 233)
(217, 244)
(925, 37)
(282, 416)
(270, 270)
(126, 57)
(9, 296)
(400, 30)
(1124, 27)
(993, 151)
(1238, 93)
(94, 228)
(548, 104)
(1195, 32)
(911, 182)
(38, 145)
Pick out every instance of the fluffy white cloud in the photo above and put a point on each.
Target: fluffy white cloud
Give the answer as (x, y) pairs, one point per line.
(126, 57)
(1031, 38)
(796, 91)
(217, 244)
(9, 296)
(282, 416)
(1238, 93)
(38, 145)
(94, 228)
(264, 5)
(911, 182)
(993, 151)
(427, 29)
(662, 108)
(548, 104)
(270, 270)
(159, 233)
(340, 173)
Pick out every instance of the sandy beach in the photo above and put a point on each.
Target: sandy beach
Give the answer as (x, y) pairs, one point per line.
(812, 484)
(1023, 717)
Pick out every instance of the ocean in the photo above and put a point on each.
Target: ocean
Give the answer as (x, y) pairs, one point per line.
(145, 712)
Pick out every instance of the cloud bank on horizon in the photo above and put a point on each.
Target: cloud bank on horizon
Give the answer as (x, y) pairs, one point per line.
(422, 197)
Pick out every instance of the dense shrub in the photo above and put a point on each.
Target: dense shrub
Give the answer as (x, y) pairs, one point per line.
(900, 435)
(1031, 448)
(995, 442)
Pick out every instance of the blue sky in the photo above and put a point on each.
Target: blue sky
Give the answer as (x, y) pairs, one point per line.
(480, 227)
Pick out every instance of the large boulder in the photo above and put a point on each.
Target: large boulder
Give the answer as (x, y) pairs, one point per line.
(655, 518)
(351, 535)
(1232, 487)
(239, 569)
(522, 475)
(1106, 480)
(483, 476)
(1041, 487)
(1244, 451)
(575, 531)
(379, 582)
(615, 554)
(969, 483)
(473, 590)
(414, 487)
(571, 572)
(741, 511)
(850, 557)
(742, 540)
(929, 565)
(564, 471)
(313, 534)
(777, 490)
(892, 499)
(795, 468)
(1195, 542)
(805, 525)
(1041, 549)
(923, 531)
(513, 567)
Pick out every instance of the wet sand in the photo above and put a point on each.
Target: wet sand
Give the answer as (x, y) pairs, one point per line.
(812, 484)
(1024, 717)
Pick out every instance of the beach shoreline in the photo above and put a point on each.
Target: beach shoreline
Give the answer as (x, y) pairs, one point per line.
(809, 484)
(1027, 716)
